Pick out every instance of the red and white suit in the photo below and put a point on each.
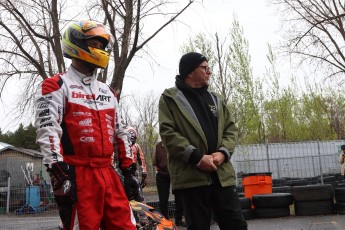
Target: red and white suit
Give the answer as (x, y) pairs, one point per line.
(77, 122)
(138, 157)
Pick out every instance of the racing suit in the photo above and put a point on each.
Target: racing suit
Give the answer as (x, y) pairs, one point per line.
(130, 175)
(138, 157)
(77, 123)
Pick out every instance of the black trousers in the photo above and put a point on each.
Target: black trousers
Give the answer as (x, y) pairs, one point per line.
(163, 188)
(178, 205)
(200, 201)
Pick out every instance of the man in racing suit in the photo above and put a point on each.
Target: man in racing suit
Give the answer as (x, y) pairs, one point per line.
(131, 177)
(78, 128)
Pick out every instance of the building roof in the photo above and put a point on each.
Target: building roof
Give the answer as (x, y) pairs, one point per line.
(34, 153)
(3, 145)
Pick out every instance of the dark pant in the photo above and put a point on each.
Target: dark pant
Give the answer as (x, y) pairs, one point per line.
(198, 204)
(163, 188)
(178, 205)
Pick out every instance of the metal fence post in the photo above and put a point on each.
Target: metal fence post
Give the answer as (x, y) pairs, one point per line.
(313, 164)
(8, 195)
(278, 169)
(268, 157)
(319, 154)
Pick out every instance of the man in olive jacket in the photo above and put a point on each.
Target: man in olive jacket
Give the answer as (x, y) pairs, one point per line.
(200, 135)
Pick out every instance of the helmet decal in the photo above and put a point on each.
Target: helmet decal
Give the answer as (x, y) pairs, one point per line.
(87, 25)
(74, 42)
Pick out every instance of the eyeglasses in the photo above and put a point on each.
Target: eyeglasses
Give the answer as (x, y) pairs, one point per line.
(206, 68)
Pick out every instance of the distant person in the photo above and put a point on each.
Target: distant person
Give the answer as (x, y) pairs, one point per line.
(200, 136)
(37, 180)
(78, 129)
(163, 186)
(43, 195)
(133, 185)
(342, 160)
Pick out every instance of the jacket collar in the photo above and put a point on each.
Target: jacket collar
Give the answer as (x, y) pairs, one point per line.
(86, 79)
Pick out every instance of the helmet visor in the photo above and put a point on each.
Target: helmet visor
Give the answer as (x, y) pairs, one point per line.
(93, 29)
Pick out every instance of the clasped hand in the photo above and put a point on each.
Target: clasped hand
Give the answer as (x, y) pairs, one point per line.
(210, 162)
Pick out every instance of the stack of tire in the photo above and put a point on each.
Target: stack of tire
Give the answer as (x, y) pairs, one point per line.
(329, 179)
(339, 195)
(272, 205)
(246, 205)
(313, 200)
(282, 189)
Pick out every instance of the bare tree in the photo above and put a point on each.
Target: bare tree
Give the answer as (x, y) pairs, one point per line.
(233, 79)
(146, 108)
(141, 112)
(30, 33)
(127, 111)
(126, 20)
(316, 33)
(30, 46)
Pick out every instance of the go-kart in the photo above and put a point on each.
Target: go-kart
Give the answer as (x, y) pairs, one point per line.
(150, 219)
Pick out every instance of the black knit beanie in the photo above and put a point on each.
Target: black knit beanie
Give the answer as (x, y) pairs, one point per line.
(189, 62)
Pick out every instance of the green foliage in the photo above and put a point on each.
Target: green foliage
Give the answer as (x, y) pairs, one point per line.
(262, 108)
(232, 78)
(23, 137)
(148, 138)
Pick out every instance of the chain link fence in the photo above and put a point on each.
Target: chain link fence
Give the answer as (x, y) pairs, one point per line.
(292, 160)
(30, 193)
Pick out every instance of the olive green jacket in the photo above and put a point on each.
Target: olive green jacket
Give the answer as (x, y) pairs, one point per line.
(181, 133)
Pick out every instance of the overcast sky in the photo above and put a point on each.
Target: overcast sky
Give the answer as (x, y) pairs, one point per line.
(260, 26)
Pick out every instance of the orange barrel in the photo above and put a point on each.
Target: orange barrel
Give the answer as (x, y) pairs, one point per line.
(257, 183)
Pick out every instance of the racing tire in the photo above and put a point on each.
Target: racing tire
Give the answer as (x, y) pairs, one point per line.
(246, 203)
(272, 200)
(313, 192)
(339, 208)
(282, 189)
(248, 213)
(313, 208)
(339, 194)
(271, 212)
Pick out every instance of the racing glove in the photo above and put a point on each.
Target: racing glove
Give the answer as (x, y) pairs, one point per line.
(63, 187)
(130, 171)
(131, 183)
(119, 173)
(143, 182)
(132, 188)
